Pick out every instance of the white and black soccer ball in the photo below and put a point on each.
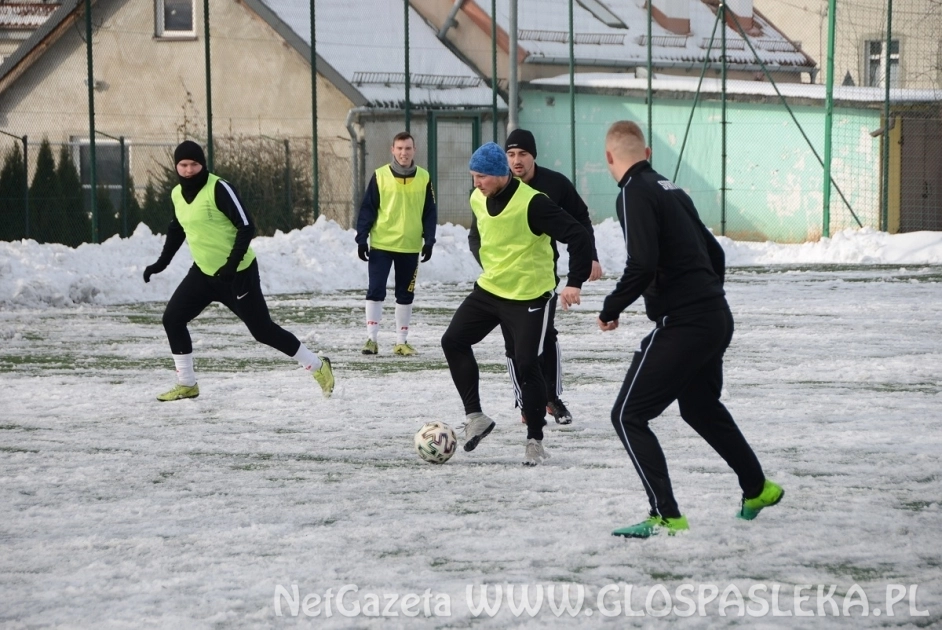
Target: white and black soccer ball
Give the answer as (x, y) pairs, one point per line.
(436, 442)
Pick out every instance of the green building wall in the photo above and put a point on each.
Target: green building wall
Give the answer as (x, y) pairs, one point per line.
(774, 181)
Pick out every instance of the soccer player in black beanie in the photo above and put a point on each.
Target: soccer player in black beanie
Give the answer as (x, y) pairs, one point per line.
(521, 154)
(211, 217)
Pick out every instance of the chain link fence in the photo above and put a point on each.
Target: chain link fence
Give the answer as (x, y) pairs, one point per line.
(86, 132)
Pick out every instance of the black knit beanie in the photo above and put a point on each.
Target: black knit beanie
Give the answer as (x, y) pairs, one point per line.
(189, 150)
(521, 139)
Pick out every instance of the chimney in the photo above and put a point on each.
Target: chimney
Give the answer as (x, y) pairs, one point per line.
(743, 11)
(673, 15)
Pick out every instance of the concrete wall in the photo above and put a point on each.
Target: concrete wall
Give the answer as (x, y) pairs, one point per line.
(774, 182)
(916, 23)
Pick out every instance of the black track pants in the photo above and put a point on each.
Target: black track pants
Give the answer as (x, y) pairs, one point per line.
(550, 360)
(682, 360)
(479, 314)
(243, 297)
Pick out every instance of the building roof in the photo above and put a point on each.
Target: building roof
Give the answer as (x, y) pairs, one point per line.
(615, 33)
(623, 83)
(365, 44)
(25, 16)
(369, 70)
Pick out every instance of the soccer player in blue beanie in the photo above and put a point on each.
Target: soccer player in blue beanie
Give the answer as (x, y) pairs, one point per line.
(518, 279)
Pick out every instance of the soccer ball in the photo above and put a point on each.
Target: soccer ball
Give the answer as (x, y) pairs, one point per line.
(436, 442)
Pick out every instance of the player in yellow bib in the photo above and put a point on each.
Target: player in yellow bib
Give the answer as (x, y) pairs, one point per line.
(397, 221)
(518, 279)
(209, 215)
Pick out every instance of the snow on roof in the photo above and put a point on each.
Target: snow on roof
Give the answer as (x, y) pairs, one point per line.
(365, 43)
(617, 32)
(25, 16)
(759, 88)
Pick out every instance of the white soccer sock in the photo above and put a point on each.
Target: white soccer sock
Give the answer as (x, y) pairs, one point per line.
(185, 373)
(403, 317)
(374, 315)
(308, 360)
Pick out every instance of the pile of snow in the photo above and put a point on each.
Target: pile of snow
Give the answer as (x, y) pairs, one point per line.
(322, 258)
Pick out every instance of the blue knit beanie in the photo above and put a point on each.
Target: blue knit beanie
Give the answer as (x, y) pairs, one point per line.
(489, 159)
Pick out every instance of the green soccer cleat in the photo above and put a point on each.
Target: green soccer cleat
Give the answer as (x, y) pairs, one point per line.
(370, 347)
(771, 494)
(653, 526)
(404, 350)
(325, 377)
(179, 392)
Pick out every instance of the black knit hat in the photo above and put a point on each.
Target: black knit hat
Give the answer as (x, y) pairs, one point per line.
(189, 150)
(521, 139)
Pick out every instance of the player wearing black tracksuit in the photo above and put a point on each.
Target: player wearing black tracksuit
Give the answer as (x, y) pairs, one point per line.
(543, 217)
(210, 216)
(677, 265)
(560, 191)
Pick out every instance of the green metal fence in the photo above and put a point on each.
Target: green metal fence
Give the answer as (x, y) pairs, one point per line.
(82, 162)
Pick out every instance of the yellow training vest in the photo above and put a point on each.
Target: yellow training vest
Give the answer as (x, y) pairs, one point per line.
(518, 265)
(398, 226)
(209, 232)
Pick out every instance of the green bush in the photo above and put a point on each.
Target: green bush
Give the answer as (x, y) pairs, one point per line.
(272, 178)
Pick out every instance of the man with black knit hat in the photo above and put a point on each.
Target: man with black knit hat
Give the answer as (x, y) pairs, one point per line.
(521, 155)
(515, 225)
(396, 224)
(209, 215)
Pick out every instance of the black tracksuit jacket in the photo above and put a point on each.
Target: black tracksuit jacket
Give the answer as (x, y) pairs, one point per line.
(674, 261)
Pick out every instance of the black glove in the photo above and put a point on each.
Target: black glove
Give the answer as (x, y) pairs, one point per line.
(363, 251)
(227, 272)
(150, 270)
(426, 253)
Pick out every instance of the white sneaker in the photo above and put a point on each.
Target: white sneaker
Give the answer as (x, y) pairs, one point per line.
(476, 429)
(535, 453)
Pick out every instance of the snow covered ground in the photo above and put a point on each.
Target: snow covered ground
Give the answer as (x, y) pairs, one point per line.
(255, 504)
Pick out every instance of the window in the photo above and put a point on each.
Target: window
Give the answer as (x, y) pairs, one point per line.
(108, 171)
(174, 18)
(876, 62)
(602, 13)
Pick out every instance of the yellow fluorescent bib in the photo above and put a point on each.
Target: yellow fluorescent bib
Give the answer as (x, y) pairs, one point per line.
(398, 226)
(518, 265)
(209, 232)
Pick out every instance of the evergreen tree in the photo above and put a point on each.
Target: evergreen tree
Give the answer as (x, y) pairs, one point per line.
(12, 198)
(133, 209)
(45, 216)
(108, 218)
(157, 209)
(76, 224)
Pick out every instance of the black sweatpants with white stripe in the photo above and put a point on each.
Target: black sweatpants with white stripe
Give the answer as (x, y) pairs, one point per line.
(682, 360)
(479, 314)
(243, 296)
(550, 360)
